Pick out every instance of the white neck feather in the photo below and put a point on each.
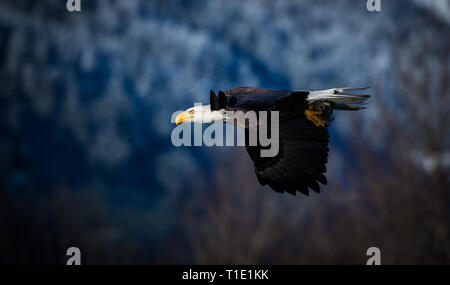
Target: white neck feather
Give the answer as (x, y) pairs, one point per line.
(213, 116)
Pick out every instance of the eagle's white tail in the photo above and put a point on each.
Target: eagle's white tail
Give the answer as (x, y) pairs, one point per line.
(343, 98)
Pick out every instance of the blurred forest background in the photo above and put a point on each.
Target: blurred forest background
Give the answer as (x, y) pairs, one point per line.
(85, 152)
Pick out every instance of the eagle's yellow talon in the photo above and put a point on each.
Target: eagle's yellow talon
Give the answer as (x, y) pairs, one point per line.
(311, 115)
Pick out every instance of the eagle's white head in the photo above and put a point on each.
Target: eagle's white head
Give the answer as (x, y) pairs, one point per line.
(200, 114)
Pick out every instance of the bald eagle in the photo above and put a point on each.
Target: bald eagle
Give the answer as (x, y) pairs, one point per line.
(304, 117)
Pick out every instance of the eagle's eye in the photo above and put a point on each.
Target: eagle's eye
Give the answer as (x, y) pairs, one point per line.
(191, 112)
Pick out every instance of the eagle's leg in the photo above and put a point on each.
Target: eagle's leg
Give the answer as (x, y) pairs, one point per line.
(312, 115)
(320, 113)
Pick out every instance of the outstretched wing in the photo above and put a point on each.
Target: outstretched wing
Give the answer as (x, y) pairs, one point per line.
(303, 152)
(250, 98)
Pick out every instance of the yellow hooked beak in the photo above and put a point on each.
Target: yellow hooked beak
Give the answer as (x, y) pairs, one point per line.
(182, 117)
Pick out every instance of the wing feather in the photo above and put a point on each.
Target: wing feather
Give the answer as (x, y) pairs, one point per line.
(300, 163)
